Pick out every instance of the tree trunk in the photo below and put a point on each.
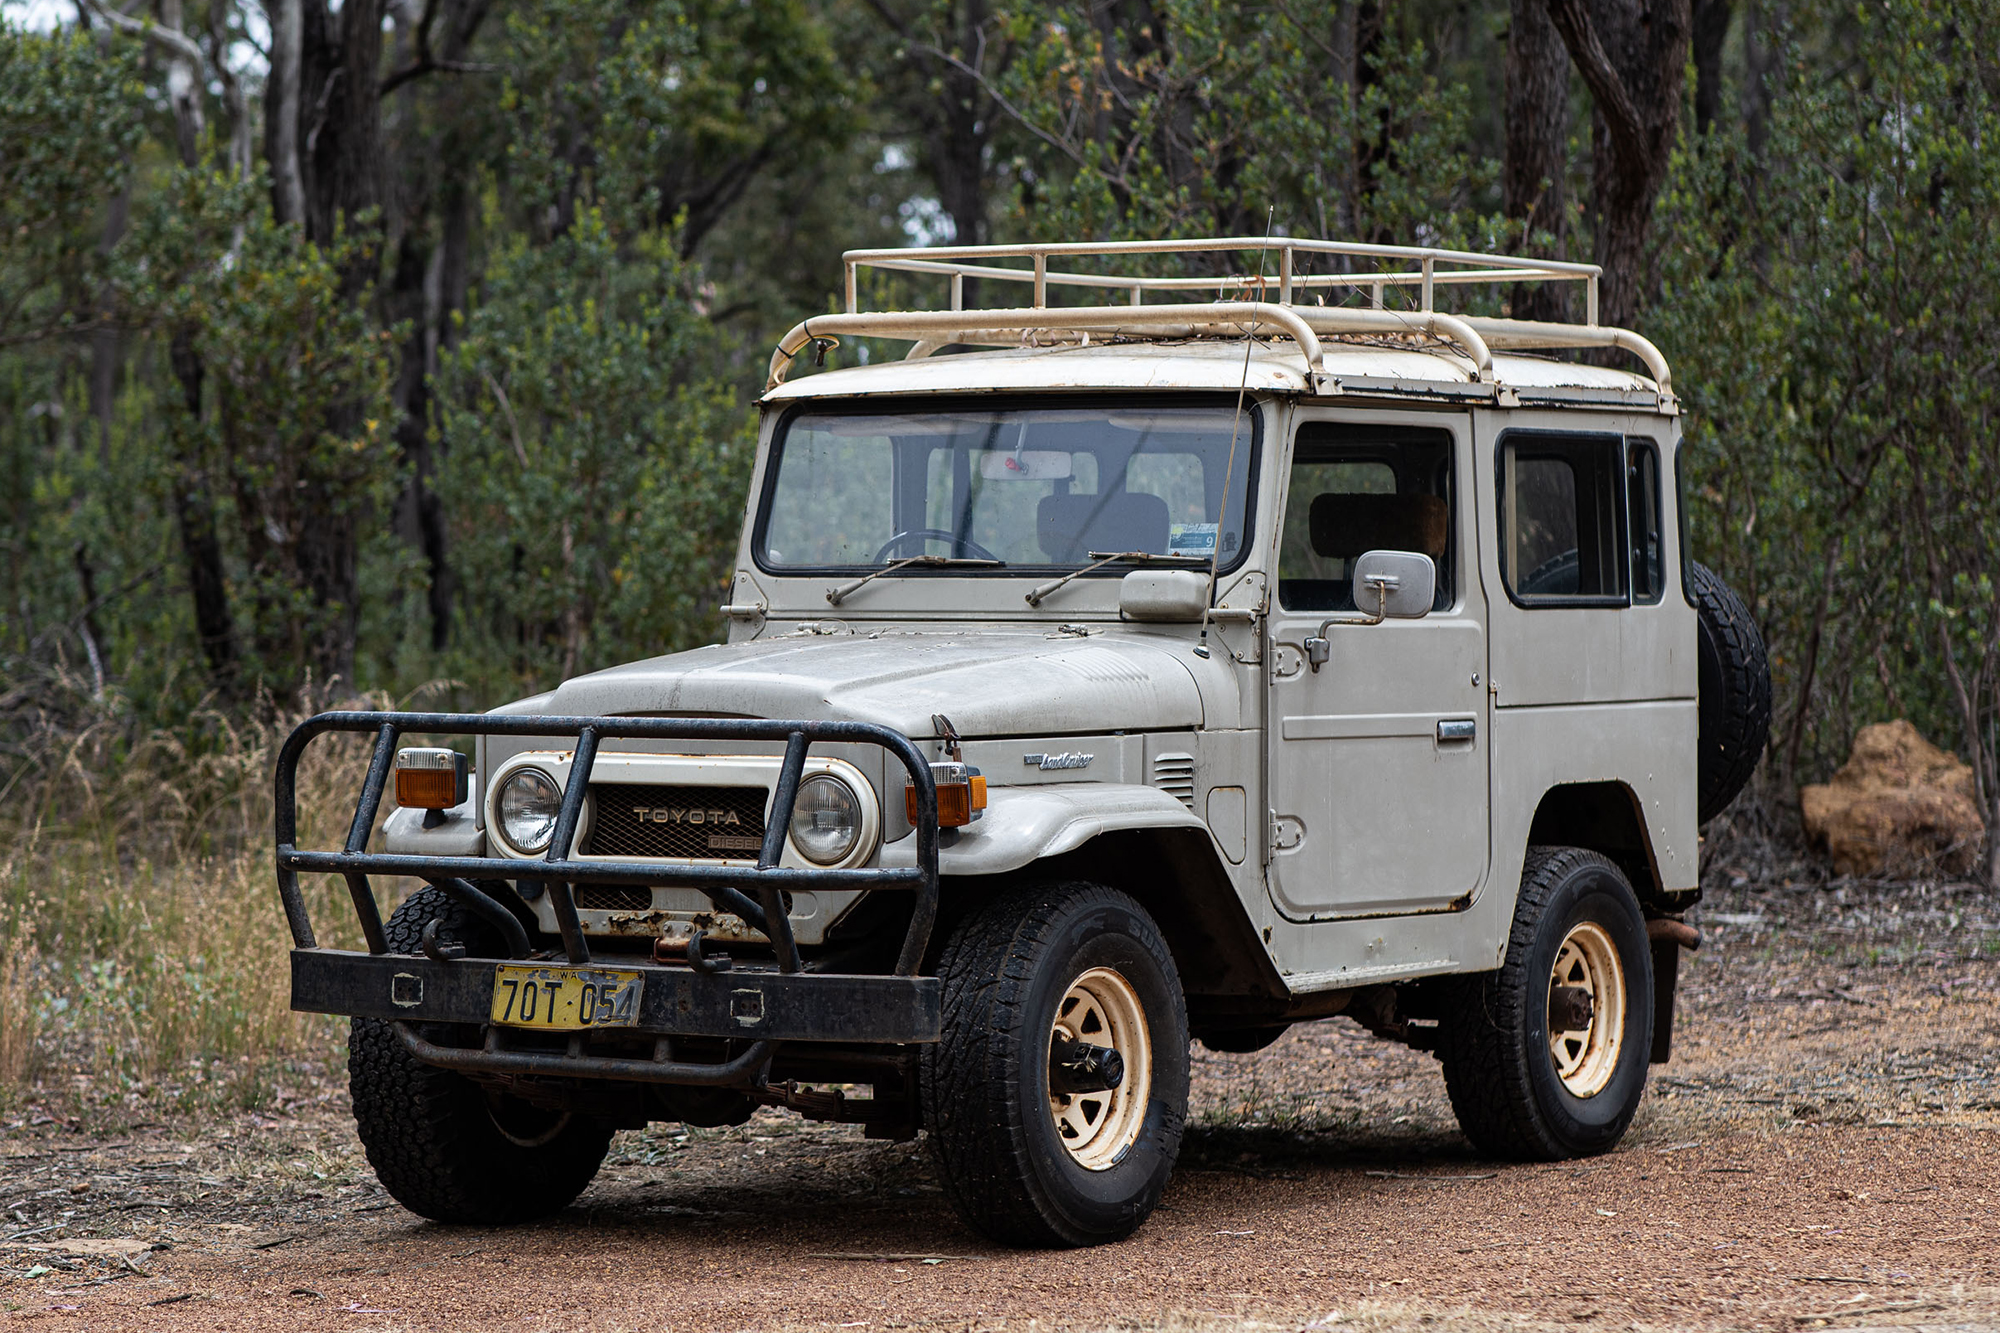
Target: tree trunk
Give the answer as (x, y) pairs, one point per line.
(194, 517)
(281, 111)
(340, 106)
(957, 135)
(1711, 30)
(1631, 55)
(341, 111)
(1535, 160)
(1761, 19)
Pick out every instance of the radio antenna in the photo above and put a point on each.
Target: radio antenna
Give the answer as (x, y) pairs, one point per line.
(1235, 428)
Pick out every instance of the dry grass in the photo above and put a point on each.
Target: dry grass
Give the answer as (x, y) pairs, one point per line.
(142, 946)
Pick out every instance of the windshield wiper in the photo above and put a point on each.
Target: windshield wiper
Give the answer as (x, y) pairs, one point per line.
(834, 596)
(1099, 560)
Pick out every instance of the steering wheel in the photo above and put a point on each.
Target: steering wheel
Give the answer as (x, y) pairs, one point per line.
(931, 534)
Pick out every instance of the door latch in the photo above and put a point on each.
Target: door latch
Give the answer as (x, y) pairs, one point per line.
(1456, 729)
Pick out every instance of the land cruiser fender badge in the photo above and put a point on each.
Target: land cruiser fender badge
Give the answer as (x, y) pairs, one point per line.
(406, 990)
(1050, 763)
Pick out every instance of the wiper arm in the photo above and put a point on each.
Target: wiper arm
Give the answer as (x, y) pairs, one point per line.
(1099, 560)
(834, 596)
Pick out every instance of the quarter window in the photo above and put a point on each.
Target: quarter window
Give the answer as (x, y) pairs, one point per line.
(1642, 483)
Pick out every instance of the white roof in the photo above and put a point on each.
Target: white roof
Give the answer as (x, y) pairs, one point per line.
(1217, 364)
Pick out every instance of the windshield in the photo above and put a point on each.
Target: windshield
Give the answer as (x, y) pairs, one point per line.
(1042, 487)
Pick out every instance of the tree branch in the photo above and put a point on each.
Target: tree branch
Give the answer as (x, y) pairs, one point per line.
(999, 98)
(425, 62)
(1614, 100)
(176, 43)
(421, 68)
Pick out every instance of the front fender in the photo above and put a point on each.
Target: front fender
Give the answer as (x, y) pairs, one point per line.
(1023, 825)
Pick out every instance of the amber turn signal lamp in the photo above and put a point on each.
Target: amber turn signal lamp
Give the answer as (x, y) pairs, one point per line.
(429, 778)
(961, 793)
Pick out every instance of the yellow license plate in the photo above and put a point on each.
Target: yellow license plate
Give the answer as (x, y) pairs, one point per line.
(565, 999)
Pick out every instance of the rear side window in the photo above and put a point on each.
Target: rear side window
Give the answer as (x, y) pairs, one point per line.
(1565, 534)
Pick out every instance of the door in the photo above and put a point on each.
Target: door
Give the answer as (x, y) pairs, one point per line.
(1378, 774)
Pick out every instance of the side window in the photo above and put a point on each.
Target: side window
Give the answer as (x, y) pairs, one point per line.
(1563, 529)
(1355, 489)
(1642, 483)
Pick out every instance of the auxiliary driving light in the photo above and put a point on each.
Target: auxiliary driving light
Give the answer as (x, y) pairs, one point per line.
(961, 794)
(429, 778)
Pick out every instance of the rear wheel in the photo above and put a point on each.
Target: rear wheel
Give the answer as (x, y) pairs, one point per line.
(1056, 1098)
(1546, 1058)
(442, 1145)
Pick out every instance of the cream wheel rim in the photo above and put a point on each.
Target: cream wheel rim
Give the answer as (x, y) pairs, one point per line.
(1585, 1058)
(1095, 1128)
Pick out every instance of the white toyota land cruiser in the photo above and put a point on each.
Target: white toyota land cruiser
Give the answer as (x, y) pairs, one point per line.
(1182, 670)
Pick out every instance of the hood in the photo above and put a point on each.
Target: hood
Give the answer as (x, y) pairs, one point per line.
(988, 682)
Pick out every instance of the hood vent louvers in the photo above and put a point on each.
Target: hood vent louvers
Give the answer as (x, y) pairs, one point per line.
(1174, 773)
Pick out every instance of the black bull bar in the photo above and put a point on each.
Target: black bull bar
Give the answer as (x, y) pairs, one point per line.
(759, 1007)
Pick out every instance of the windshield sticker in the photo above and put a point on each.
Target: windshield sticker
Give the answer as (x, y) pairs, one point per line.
(1191, 539)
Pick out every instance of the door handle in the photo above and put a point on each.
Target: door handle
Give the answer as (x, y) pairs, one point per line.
(1454, 729)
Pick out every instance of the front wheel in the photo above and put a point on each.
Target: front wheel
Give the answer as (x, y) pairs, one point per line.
(1546, 1058)
(442, 1145)
(1057, 1095)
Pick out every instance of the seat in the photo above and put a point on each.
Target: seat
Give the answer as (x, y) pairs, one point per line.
(1070, 527)
(1345, 524)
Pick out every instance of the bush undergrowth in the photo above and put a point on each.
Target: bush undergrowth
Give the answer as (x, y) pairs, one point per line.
(143, 949)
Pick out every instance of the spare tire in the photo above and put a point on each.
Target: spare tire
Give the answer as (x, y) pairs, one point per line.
(1734, 691)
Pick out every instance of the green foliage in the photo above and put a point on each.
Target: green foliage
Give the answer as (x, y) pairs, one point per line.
(1203, 120)
(595, 484)
(663, 112)
(289, 437)
(1833, 310)
(70, 117)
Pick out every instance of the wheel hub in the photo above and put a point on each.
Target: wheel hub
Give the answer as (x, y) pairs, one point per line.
(1100, 1069)
(1586, 1010)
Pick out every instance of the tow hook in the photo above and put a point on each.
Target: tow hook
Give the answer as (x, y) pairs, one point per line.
(679, 943)
(1078, 1066)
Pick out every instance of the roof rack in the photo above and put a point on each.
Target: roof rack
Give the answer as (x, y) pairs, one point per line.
(1237, 304)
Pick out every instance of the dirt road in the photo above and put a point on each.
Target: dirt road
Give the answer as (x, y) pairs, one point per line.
(1824, 1151)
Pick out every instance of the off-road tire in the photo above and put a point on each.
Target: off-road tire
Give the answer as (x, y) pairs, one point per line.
(1494, 1037)
(985, 1086)
(1734, 691)
(434, 1136)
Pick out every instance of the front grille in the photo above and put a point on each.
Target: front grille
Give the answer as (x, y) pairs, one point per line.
(653, 819)
(614, 897)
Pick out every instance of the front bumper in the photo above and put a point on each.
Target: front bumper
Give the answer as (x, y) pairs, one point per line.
(760, 1007)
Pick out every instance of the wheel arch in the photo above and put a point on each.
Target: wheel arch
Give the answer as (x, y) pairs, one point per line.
(1176, 874)
(1604, 817)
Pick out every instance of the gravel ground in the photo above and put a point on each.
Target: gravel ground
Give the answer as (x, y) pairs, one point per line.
(1824, 1151)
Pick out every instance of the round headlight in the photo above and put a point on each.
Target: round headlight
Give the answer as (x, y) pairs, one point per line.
(527, 808)
(826, 820)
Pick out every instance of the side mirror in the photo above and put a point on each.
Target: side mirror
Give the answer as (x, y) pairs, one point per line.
(1175, 596)
(1394, 585)
(1388, 585)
